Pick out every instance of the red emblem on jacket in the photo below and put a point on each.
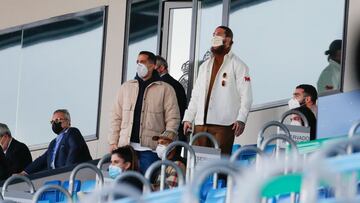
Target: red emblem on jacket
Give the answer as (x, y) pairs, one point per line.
(247, 79)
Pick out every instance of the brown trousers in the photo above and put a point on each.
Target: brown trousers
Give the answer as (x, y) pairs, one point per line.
(223, 134)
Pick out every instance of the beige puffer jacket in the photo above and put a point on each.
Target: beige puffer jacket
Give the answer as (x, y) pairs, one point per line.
(160, 112)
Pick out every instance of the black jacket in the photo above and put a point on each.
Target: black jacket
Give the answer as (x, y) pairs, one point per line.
(310, 118)
(18, 156)
(4, 169)
(181, 99)
(72, 150)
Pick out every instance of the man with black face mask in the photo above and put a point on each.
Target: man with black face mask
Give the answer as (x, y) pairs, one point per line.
(68, 148)
(221, 97)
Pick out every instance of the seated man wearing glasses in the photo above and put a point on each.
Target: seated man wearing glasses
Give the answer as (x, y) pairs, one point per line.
(68, 148)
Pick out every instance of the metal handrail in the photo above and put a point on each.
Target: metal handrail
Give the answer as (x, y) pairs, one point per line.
(159, 163)
(205, 134)
(280, 137)
(291, 112)
(351, 133)
(104, 159)
(190, 165)
(215, 144)
(218, 166)
(270, 124)
(137, 175)
(316, 169)
(99, 175)
(338, 147)
(48, 187)
(18, 177)
(238, 152)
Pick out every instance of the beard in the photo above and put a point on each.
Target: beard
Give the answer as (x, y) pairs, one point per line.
(218, 50)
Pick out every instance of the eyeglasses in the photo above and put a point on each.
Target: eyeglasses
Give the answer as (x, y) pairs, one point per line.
(58, 120)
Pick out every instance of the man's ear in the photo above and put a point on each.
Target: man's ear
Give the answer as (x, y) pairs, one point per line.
(307, 99)
(127, 165)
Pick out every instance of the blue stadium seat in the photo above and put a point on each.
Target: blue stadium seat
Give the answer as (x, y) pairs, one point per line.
(207, 186)
(50, 196)
(77, 186)
(88, 186)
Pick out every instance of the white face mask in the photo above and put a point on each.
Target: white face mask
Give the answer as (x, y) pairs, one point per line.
(160, 149)
(293, 103)
(217, 41)
(142, 70)
(295, 122)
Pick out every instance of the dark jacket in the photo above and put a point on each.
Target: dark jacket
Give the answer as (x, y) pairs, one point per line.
(181, 99)
(18, 156)
(72, 150)
(309, 115)
(4, 169)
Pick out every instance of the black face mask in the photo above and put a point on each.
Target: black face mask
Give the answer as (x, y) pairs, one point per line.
(56, 127)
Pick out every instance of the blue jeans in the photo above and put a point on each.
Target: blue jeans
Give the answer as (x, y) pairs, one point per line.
(146, 158)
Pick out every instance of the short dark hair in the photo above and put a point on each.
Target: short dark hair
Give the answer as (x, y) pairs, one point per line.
(161, 61)
(228, 31)
(129, 155)
(4, 130)
(65, 112)
(150, 55)
(309, 90)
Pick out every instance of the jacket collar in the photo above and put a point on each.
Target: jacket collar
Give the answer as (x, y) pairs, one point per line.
(334, 64)
(228, 55)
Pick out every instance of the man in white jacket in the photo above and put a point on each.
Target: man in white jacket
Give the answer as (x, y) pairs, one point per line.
(330, 77)
(221, 98)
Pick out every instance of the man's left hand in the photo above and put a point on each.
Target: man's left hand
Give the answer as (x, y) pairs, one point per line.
(239, 127)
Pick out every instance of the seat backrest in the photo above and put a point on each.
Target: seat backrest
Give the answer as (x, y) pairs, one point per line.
(77, 186)
(88, 186)
(51, 195)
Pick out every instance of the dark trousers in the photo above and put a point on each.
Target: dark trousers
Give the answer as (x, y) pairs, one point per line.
(223, 134)
(146, 158)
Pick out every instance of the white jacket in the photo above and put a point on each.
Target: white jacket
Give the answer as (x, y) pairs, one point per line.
(330, 77)
(228, 103)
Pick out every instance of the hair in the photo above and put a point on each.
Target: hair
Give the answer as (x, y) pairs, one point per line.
(309, 90)
(4, 130)
(150, 55)
(129, 155)
(65, 112)
(160, 61)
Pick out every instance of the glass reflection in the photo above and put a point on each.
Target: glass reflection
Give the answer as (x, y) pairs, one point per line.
(209, 17)
(10, 61)
(283, 42)
(179, 44)
(143, 32)
(59, 66)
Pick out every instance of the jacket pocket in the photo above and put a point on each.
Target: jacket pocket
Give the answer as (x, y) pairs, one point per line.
(155, 121)
(126, 115)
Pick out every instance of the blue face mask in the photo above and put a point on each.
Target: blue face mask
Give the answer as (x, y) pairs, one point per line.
(114, 171)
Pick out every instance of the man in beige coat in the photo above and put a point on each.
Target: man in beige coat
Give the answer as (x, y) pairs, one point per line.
(144, 107)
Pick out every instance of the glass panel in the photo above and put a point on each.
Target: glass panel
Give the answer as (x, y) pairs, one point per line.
(179, 44)
(60, 67)
(10, 61)
(283, 42)
(209, 17)
(143, 32)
